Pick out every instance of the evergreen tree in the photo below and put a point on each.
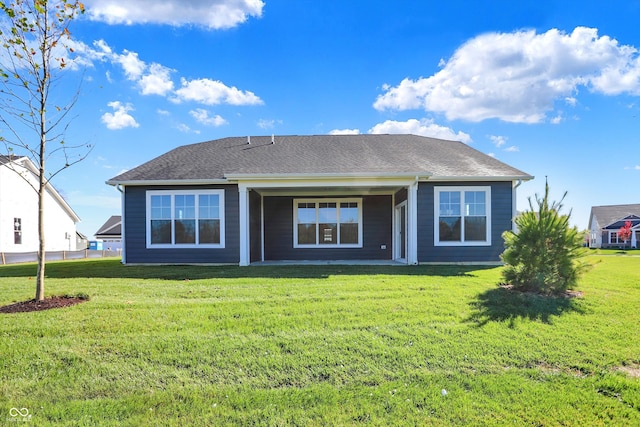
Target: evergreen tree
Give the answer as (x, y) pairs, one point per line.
(545, 254)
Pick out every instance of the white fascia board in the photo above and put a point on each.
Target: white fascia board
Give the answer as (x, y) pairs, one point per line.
(168, 182)
(481, 178)
(29, 165)
(327, 181)
(325, 176)
(623, 219)
(324, 184)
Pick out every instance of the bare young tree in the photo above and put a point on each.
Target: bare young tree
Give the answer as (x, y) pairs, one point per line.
(36, 48)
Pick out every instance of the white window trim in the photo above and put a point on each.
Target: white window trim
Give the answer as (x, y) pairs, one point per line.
(322, 200)
(436, 215)
(173, 193)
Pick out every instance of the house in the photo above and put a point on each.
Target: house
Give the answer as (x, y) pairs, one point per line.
(19, 213)
(328, 198)
(110, 233)
(606, 221)
(81, 241)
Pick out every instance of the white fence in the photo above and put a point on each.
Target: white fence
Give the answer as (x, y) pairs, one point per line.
(19, 257)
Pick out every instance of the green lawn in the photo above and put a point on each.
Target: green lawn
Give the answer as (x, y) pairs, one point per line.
(313, 345)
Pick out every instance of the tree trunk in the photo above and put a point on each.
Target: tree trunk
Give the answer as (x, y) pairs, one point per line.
(42, 189)
(41, 251)
(42, 182)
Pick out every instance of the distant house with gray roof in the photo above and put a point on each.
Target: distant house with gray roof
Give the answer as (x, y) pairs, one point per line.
(329, 198)
(605, 223)
(110, 233)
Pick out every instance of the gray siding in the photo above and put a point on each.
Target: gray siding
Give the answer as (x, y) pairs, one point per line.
(400, 196)
(376, 226)
(501, 205)
(135, 230)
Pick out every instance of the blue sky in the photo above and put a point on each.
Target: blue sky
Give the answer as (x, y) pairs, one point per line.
(550, 87)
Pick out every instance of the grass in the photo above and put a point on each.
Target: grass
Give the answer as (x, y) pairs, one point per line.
(320, 345)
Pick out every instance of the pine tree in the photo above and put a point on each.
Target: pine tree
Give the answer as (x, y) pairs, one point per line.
(545, 254)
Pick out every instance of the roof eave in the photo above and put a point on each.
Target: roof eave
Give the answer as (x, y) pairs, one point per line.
(133, 182)
(482, 178)
(28, 164)
(325, 176)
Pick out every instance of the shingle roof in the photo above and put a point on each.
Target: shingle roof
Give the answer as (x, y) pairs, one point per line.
(607, 215)
(318, 155)
(113, 227)
(6, 159)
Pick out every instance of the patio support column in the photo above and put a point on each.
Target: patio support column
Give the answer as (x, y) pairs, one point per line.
(412, 223)
(243, 216)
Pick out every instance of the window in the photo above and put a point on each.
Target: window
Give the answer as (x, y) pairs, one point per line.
(613, 237)
(462, 216)
(327, 223)
(17, 231)
(186, 218)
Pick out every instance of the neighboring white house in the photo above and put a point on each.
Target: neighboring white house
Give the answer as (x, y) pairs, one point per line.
(19, 211)
(605, 223)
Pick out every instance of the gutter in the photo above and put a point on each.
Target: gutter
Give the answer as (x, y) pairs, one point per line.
(323, 176)
(167, 182)
(122, 222)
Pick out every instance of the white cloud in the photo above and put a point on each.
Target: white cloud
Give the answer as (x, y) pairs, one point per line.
(157, 81)
(268, 123)
(213, 92)
(163, 112)
(120, 118)
(103, 47)
(517, 77)
(214, 14)
(424, 127)
(202, 116)
(132, 66)
(637, 167)
(557, 119)
(498, 140)
(186, 129)
(570, 100)
(345, 132)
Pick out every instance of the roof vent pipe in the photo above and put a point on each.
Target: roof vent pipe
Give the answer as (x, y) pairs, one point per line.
(273, 139)
(248, 139)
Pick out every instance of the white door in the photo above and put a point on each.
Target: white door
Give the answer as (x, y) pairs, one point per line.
(400, 238)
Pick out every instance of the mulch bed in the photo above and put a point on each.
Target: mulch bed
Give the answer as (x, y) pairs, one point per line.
(46, 304)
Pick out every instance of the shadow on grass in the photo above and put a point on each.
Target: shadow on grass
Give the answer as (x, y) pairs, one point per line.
(112, 268)
(501, 304)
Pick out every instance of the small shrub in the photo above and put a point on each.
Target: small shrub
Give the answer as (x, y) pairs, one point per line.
(544, 254)
(80, 295)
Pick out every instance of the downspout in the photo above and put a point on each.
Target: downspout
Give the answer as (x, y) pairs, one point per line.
(122, 227)
(514, 208)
